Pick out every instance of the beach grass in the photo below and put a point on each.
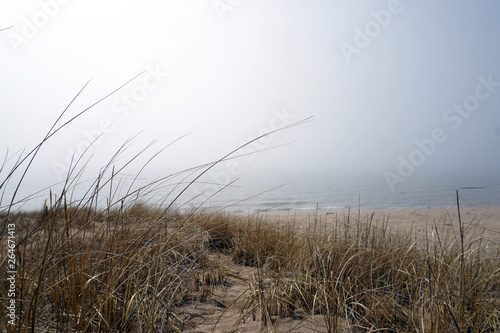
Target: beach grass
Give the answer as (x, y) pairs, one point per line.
(132, 268)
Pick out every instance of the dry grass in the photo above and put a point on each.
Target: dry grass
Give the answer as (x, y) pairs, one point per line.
(131, 268)
(122, 272)
(360, 278)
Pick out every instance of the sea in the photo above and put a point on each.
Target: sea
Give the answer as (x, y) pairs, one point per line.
(282, 191)
(323, 191)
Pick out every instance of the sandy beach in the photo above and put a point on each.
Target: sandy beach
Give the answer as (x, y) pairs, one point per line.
(478, 221)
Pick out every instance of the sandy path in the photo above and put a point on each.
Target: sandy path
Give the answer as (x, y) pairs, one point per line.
(222, 311)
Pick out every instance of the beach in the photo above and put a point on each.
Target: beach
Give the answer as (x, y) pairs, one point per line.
(477, 221)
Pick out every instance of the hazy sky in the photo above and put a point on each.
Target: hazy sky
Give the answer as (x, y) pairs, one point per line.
(395, 87)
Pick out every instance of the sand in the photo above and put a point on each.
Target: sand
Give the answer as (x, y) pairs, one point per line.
(477, 222)
(222, 311)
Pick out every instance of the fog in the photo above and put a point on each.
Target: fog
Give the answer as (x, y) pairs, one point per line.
(397, 89)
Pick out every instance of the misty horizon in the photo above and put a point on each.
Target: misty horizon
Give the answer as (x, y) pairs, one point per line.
(399, 92)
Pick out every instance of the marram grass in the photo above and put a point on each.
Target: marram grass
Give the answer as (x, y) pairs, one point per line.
(129, 269)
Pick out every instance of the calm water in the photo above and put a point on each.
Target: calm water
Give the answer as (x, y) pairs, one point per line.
(334, 193)
(305, 192)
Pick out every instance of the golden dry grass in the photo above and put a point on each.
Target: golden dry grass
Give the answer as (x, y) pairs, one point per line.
(134, 268)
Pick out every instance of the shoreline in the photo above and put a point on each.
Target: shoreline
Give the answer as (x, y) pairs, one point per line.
(245, 209)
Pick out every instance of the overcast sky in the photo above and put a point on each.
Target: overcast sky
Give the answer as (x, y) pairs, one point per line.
(395, 87)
